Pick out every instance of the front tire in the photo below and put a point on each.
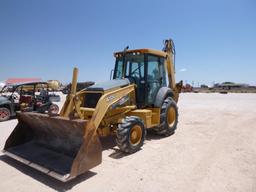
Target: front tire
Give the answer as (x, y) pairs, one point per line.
(5, 114)
(130, 134)
(168, 118)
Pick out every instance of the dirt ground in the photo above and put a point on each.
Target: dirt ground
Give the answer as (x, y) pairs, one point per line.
(213, 149)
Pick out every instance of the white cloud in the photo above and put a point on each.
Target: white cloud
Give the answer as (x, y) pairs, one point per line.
(183, 69)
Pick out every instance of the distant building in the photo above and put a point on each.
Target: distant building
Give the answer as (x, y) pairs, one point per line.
(204, 86)
(22, 80)
(186, 88)
(230, 85)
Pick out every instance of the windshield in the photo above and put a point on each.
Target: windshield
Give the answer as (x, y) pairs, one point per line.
(134, 66)
(6, 89)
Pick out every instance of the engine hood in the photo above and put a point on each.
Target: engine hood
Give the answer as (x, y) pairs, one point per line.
(112, 84)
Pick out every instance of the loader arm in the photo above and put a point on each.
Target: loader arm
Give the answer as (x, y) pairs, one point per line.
(105, 102)
(70, 103)
(90, 145)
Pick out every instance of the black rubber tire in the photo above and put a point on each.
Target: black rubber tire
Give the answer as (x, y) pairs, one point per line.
(164, 128)
(123, 134)
(5, 114)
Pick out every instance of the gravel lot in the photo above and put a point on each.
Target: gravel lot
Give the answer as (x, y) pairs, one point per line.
(213, 149)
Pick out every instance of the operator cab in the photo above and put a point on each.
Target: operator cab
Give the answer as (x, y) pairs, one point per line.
(145, 68)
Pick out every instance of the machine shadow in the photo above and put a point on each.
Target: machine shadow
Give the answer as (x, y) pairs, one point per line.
(109, 143)
(45, 179)
(151, 135)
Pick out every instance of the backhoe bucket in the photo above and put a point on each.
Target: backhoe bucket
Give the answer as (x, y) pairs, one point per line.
(57, 146)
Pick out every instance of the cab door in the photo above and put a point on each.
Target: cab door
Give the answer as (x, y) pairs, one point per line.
(156, 77)
(136, 71)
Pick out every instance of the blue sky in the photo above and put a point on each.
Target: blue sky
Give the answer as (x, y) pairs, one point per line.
(215, 40)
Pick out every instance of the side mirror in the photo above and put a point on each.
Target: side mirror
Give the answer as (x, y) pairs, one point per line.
(111, 74)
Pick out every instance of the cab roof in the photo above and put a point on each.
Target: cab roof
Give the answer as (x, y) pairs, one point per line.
(150, 51)
(29, 83)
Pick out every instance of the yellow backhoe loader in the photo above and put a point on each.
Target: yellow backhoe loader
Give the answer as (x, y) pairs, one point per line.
(141, 95)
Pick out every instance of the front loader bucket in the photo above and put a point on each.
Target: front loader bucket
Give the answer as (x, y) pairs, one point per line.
(57, 146)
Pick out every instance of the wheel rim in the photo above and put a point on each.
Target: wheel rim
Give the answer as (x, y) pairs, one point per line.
(171, 116)
(4, 114)
(54, 109)
(135, 135)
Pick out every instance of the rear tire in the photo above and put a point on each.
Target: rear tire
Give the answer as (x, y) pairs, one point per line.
(5, 114)
(168, 118)
(130, 134)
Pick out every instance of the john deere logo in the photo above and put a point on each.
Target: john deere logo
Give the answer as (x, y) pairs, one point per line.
(110, 98)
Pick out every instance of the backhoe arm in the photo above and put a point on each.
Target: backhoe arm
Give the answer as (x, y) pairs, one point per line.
(170, 65)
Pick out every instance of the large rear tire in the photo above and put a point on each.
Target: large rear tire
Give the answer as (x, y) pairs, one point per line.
(5, 114)
(168, 118)
(130, 134)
